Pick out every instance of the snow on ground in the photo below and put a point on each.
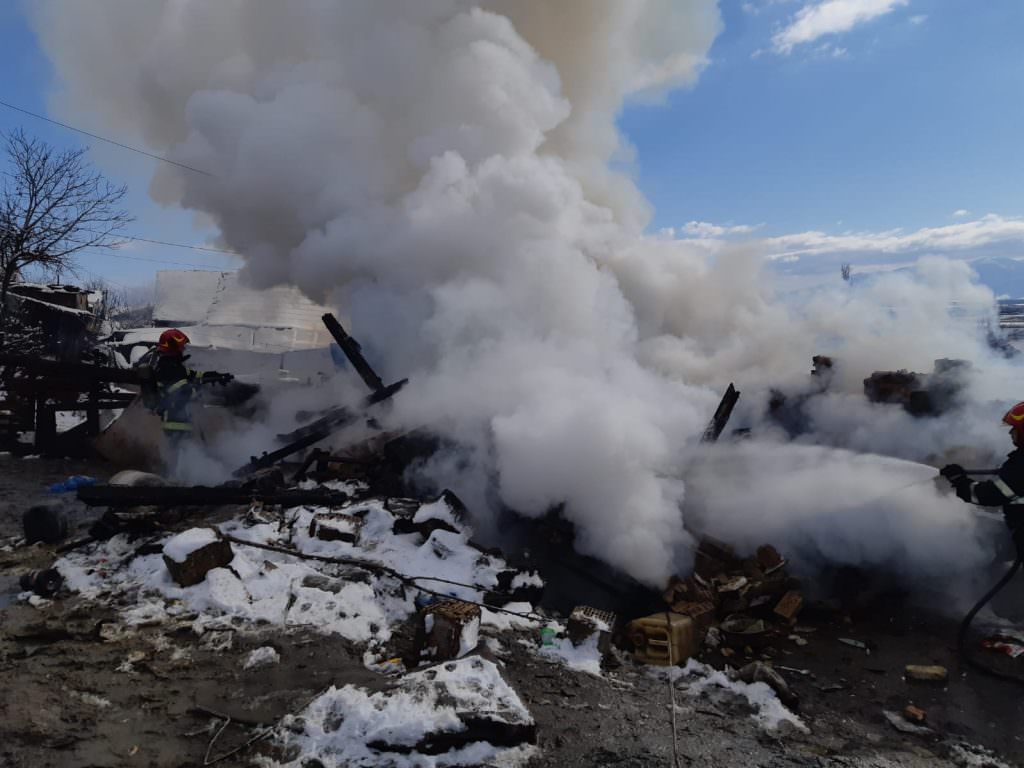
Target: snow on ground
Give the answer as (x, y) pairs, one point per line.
(973, 756)
(339, 726)
(262, 657)
(179, 547)
(703, 680)
(583, 658)
(269, 587)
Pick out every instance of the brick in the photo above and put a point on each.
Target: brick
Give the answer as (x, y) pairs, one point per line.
(789, 606)
(447, 630)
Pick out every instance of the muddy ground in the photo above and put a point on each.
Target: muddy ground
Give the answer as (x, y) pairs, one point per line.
(78, 691)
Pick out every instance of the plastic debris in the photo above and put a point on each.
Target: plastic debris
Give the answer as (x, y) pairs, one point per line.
(73, 483)
(897, 721)
(1003, 645)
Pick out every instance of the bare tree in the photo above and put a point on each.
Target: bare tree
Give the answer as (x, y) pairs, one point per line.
(53, 205)
(846, 271)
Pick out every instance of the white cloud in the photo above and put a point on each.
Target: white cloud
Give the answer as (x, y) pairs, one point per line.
(919, 19)
(829, 17)
(960, 213)
(988, 230)
(705, 229)
(951, 239)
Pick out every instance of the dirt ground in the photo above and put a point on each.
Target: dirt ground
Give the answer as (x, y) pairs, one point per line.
(78, 690)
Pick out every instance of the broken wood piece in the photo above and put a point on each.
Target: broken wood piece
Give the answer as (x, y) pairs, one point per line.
(189, 556)
(335, 526)
(789, 606)
(353, 351)
(721, 417)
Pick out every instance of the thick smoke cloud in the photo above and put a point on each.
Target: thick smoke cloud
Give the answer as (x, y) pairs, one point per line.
(449, 173)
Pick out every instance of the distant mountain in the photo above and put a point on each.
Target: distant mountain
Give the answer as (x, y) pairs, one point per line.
(1004, 275)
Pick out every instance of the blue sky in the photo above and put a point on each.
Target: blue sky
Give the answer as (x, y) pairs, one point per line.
(807, 120)
(914, 119)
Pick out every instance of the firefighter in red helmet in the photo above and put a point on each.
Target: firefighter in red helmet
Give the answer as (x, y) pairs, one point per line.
(1006, 489)
(175, 384)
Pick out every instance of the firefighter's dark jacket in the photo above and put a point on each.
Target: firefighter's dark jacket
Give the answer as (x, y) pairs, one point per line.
(1006, 490)
(175, 386)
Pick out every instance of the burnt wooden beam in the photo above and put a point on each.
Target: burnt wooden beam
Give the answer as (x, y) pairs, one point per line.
(722, 414)
(303, 437)
(353, 352)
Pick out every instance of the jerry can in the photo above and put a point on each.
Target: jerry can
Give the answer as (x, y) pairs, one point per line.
(664, 639)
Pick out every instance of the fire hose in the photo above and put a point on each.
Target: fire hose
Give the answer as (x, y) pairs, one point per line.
(965, 626)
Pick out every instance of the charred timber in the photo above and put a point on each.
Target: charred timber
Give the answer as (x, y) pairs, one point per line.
(313, 433)
(722, 414)
(199, 495)
(353, 352)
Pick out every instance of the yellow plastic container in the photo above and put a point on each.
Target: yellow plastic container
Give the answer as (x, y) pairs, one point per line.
(664, 639)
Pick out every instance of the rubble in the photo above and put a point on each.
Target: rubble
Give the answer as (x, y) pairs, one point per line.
(897, 721)
(585, 622)
(335, 526)
(448, 630)
(860, 644)
(1009, 646)
(759, 672)
(45, 583)
(189, 556)
(789, 606)
(931, 674)
(664, 639)
(914, 714)
(464, 709)
(920, 394)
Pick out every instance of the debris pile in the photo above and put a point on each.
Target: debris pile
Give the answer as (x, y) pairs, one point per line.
(462, 709)
(920, 394)
(735, 605)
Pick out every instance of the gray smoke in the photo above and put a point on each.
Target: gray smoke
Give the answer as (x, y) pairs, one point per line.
(450, 174)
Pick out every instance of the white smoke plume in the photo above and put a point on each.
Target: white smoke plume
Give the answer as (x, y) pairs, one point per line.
(450, 174)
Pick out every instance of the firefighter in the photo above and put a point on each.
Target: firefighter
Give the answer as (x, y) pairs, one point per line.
(1006, 489)
(175, 385)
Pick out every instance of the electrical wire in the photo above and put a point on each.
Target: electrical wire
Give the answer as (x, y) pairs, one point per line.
(178, 245)
(209, 267)
(103, 138)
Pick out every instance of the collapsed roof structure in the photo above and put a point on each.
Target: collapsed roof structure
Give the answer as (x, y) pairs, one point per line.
(255, 332)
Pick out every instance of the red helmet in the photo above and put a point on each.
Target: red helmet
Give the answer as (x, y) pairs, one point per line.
(1015, 417)
(172, 342)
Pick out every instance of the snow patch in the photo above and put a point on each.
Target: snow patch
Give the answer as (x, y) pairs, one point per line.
(262, 657)
(585, 657)
(339, 726)
(769, 712)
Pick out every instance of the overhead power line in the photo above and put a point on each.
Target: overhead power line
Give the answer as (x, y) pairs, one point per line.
(117, 255)
(103, 138)
(178, 245)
